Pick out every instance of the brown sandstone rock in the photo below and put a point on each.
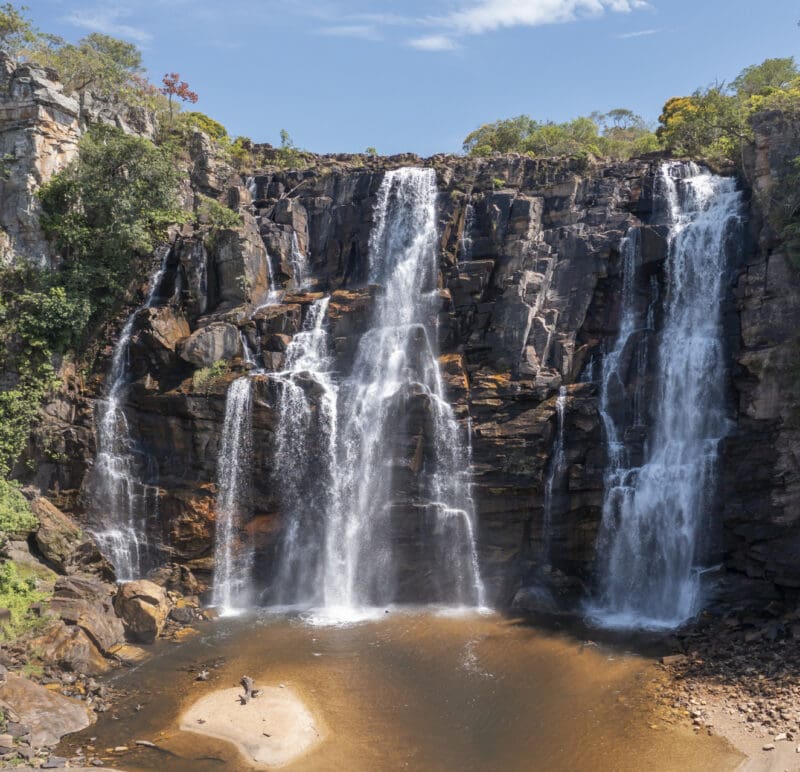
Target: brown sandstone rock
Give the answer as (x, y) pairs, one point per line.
(143, 607)
(50, 716)
(57, 535)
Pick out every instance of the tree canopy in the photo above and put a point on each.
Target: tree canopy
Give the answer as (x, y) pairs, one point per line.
(619, 133)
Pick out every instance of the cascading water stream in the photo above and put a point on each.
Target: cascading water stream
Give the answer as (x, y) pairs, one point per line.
(394, 365)
(655, 515)
(333, 441)
(119, 497)
(465, 253)
(305, 457)
(233, 557)
(299, 265)
(555, 474)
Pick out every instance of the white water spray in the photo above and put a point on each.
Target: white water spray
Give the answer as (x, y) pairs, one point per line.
(395, 367)
(233, 557)
(655, 515)
(119, 497)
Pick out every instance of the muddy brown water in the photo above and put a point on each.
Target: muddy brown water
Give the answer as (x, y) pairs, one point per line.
(415, 691)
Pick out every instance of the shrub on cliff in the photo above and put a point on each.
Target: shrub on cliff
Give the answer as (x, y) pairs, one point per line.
(108, 207)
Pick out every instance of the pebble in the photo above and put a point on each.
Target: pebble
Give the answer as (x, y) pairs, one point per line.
(768, 747)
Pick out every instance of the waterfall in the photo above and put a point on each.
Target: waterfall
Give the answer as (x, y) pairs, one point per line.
(233, 559)
(395, 366)
(118, 496)
(555, 474)
(465, 253)
(655, 515)
(305, 457)
(299, 265)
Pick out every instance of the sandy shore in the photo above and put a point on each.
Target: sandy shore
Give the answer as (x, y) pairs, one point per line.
(272, 730)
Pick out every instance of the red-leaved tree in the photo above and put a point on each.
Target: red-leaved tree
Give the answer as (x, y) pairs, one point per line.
(175, 88)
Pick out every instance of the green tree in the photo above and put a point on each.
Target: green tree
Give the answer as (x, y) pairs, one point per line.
(110, 205)
(506, 136)
(17, 33)
(98, 62)
(710, 123)
(770, 75)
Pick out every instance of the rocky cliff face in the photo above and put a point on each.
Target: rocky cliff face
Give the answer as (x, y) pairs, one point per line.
(761, 488)
(529, 278)
(41, 127)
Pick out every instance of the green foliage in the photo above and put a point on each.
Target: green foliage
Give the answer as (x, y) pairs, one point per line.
(53, 317)
(371, 151)
(216, 215)
(15, 514)
(287, 156)
(618, 134)
(16, 31)
(198, 121)
(105, 211)
(709, 124)
(206, 377)
(18, 593)
(25, 357)
(761, 79)
(240, 153)
(109, 206)
(98, 62)
(19, 408)
(715, 122)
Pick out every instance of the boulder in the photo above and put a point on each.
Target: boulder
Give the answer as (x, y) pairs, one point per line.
(282, 319)
(70, 648)
(157, 333)
(219, 340)
(57, 535)
(84, 603)
(176, 578)
(144, 607)
(49, 715)
(64, 545)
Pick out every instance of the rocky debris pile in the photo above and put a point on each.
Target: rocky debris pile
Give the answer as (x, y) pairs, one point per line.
(745, 669)
(35, 717)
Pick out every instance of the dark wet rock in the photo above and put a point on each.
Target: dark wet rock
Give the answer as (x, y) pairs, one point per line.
(210, 344)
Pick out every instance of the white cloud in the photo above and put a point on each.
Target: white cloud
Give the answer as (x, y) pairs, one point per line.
(434, 43)
(107, 22)
(638, 34)
(488, 15)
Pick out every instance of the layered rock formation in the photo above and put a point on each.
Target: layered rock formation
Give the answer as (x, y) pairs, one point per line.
(529, 278)
(761, 484)
(41, 127)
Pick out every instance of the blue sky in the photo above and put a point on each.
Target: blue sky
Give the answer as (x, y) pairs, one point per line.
(341, 75)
